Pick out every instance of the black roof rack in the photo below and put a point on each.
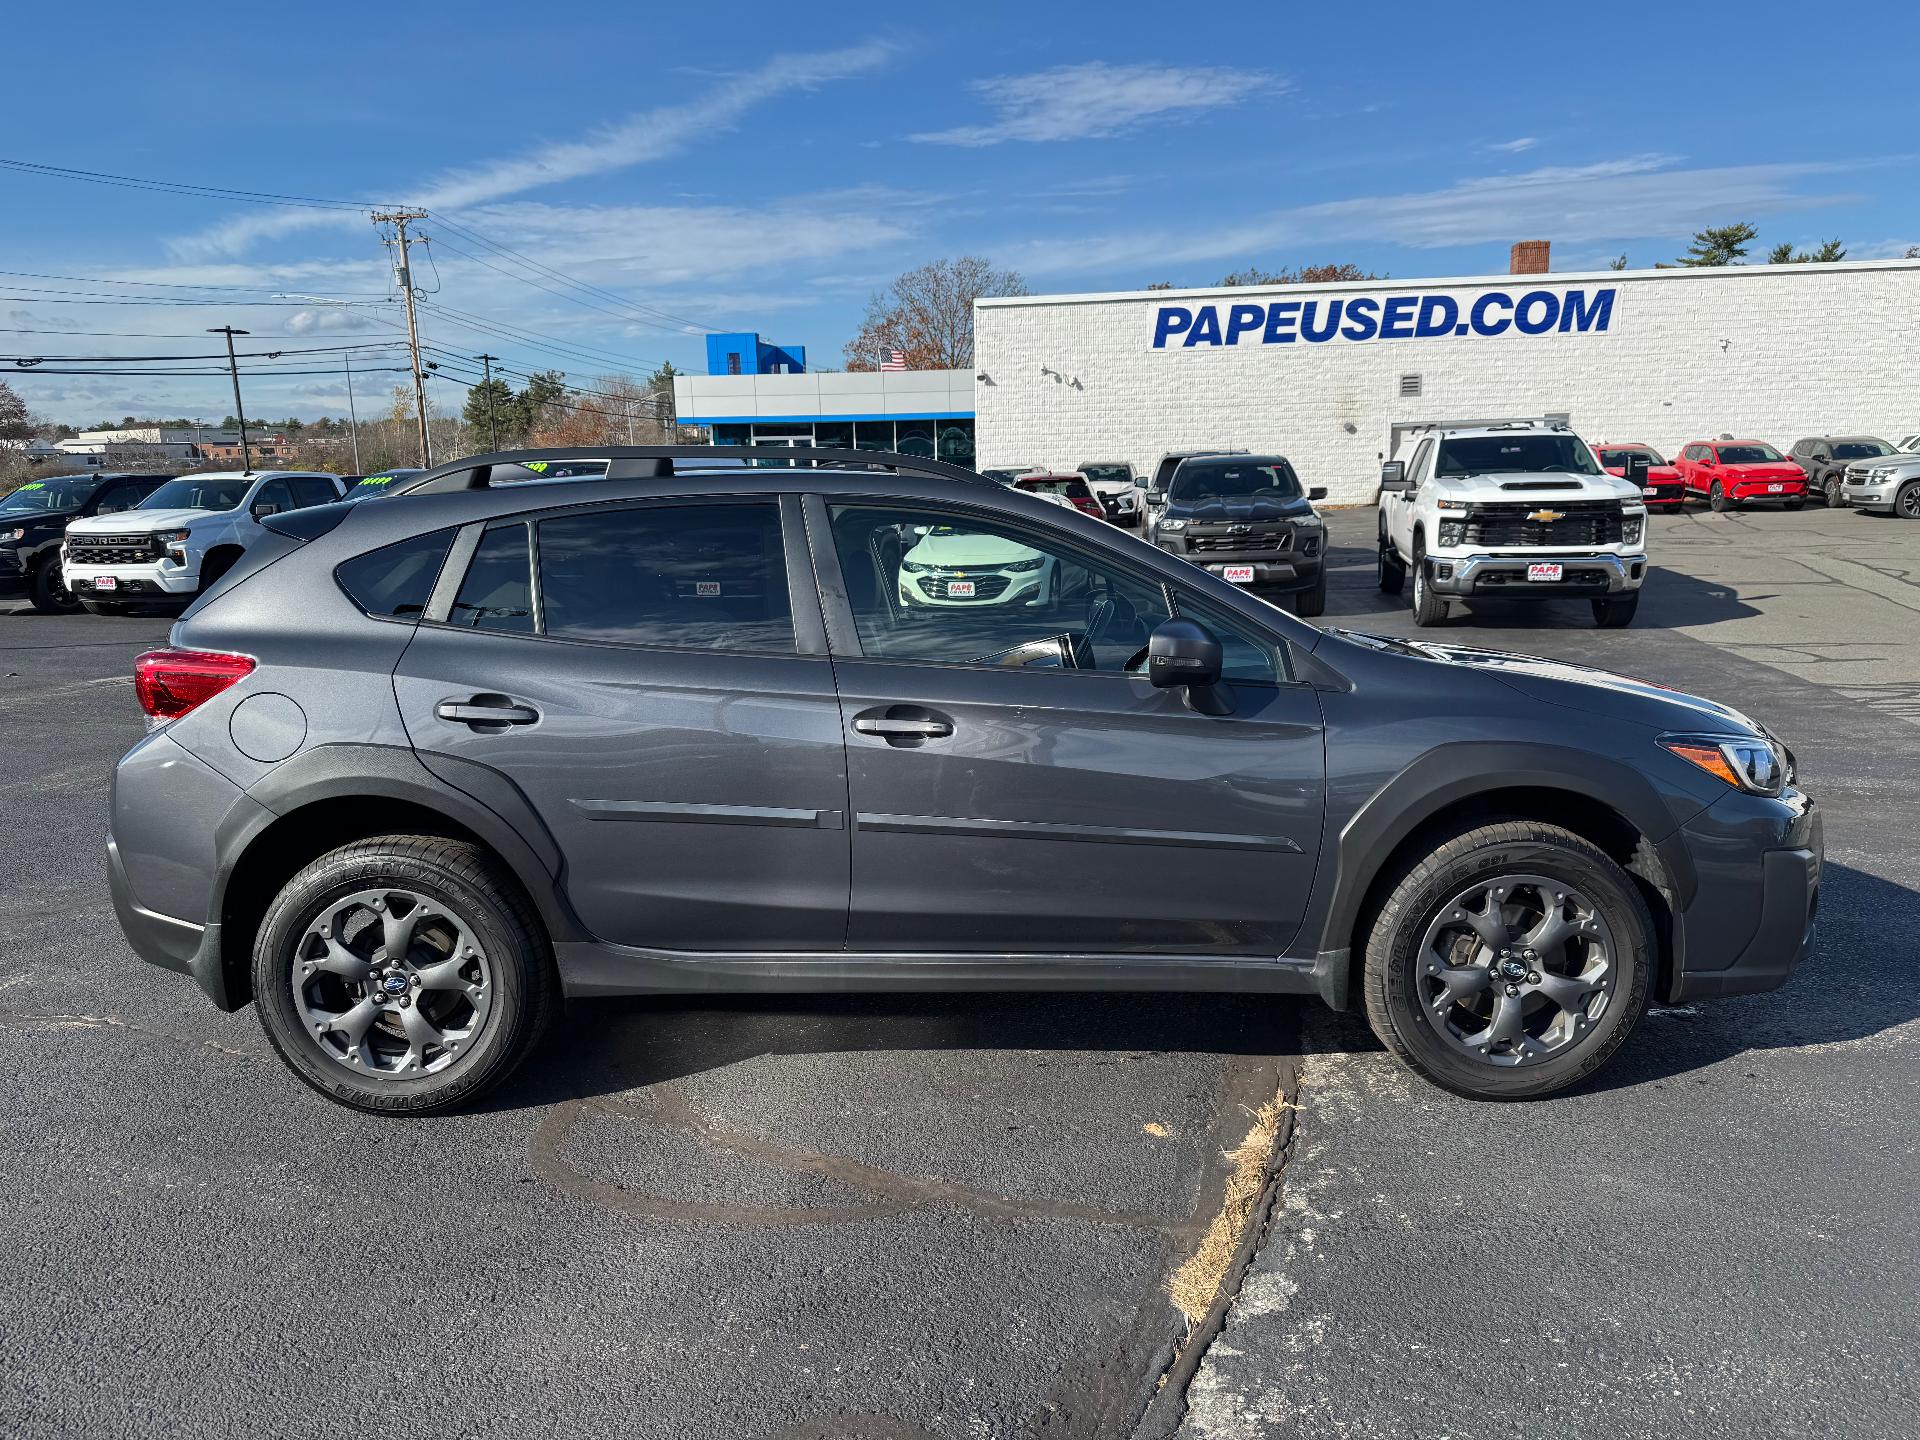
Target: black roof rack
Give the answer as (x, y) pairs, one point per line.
(654, 462)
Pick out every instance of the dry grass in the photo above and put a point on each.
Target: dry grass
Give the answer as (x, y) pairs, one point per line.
(1196, 1283)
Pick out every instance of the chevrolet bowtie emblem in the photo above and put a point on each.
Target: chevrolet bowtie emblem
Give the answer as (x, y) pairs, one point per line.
(1547, 517)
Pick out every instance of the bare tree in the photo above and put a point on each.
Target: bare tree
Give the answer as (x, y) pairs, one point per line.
(927, 315)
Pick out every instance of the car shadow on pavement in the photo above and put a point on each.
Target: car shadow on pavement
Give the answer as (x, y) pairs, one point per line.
(1669, 600)
(605, 1047)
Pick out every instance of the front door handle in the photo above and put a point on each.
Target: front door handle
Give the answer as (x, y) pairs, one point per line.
(486, 710)
(903, 724)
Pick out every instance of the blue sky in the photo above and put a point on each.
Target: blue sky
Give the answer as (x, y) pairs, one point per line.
(753, 166)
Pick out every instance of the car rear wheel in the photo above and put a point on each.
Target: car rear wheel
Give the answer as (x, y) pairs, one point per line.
(1393, 572)
(403, 975)
(1717, 499)
(1429, 608)
(1907, 503)
(1616, 612)
(1510, 962)
(47, 589)
(1797, 503)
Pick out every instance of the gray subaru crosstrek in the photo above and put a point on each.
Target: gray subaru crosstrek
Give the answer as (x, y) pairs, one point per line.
(418, 769)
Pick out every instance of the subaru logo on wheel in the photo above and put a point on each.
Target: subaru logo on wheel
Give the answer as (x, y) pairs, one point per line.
(394, 984)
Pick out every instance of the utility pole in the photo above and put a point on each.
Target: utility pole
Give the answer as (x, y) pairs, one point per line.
(400, 219)
(233, 365)
(493, 421)
(353, 419)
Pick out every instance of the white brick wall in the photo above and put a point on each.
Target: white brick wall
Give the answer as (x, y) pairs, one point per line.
(1771, 352)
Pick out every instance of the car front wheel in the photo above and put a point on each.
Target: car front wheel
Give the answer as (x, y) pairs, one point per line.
(1509, 962)
(1835, 500)
(1393, 572)
(1616, 612)
(403, 975)
(47, 589)
(1717, 499)
(1429, 607)
(1907, 503)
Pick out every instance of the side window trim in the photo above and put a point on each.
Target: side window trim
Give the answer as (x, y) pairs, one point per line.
(453, 573)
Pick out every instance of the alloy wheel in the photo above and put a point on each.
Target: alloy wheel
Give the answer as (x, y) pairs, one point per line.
(390, 984)
(1516, 969)
(1908, 503)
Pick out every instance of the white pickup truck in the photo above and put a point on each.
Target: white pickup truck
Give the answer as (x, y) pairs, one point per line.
(1516, 509)
(182, 537)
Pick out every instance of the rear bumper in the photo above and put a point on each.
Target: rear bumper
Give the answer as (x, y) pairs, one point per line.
(1583, 574)
(163, 940)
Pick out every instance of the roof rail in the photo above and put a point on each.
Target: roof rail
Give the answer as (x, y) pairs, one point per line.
(655, 462)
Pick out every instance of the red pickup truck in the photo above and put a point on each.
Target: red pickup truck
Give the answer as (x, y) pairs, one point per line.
(1731, 473)
(1663, 484)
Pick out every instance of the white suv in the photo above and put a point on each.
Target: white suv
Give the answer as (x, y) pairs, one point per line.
(1512, 509)
(182, 537)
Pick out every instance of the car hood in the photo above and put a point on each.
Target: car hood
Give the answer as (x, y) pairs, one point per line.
(32, 519)
(1767, 470)
(985, 551)
(1240, 511)
(1520, 487)
(138, 522)
(1582, 687)
(1655, 473)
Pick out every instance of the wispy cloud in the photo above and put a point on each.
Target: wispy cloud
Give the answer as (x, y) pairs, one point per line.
(640, 138)
(1514, 147)
(1097, 99)
(1626, 199)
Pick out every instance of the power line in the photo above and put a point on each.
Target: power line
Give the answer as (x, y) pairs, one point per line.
(630, 316)
(29, 361)
(181, 187)
(539, 340)
(160, 284)
(501, 248)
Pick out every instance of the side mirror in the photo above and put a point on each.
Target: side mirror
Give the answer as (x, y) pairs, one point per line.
(1184, 655)
(1637, 467)
(1318, 492)
(264, 509)
(1393, 477)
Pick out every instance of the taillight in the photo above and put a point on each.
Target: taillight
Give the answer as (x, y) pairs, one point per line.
(170, 683)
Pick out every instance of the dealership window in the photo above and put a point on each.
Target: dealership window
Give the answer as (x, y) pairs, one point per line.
(733, 434)
(836, 435)
(956, 442)
(873, 435)
(733, 362)
(914, 437)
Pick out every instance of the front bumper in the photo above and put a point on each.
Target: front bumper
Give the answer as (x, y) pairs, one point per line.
(158, 581)
(1583, 573)
(1763, 490)
(1872, 494)
(1730, 940)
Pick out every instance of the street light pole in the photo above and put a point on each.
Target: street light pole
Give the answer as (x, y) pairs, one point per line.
(353, 419)
(239, 410)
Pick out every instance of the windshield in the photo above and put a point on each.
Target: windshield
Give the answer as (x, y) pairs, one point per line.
(1617, 454)
(371, 485)
(198, 492)
(1748, 454)
(1108, 474)
(1540, 452)
(1233, 480)
(63, 492)
(1861, 449)
(1073, 489)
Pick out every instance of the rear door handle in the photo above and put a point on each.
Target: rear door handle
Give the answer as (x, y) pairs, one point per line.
(903, 724)
(486, 710)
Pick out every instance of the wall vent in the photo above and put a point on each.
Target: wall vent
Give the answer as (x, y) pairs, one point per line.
(1409, 387)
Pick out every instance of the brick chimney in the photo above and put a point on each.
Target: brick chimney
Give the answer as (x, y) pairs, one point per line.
(1528, 257)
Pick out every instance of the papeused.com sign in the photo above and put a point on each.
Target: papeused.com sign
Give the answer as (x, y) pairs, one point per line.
(1428, 316)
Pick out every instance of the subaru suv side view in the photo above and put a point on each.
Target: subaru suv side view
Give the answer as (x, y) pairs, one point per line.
(34, 517)
(418, 770)
(183, 537)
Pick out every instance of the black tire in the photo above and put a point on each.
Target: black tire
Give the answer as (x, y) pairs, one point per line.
(1717, 499)
(1616, 612)
(1906, 501)
(1835, 500)
(47, 589)
(1393, 570)
(1428, 608)
(1309, 603)
(214, 566)
(1795, 504)
(465, 882)
(1393, 979)
(104, 607)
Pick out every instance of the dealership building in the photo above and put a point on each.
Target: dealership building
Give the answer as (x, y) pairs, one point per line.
(1323, 373)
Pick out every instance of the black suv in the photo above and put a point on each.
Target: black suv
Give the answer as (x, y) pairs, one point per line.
(34, 517)
(1246, 519)
(422, 767)
(1825, 459)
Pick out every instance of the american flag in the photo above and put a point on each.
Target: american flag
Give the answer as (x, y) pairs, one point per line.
(896, 360)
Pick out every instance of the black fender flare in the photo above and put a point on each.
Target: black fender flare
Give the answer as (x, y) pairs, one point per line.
(1452, 773)
(472, 796)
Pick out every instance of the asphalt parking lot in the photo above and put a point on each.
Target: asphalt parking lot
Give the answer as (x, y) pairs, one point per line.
(956, 1216)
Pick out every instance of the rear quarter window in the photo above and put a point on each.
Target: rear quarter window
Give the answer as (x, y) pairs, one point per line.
(396, 581)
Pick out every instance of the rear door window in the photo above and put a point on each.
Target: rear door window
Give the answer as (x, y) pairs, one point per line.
(682, 577)
(497, 591)
(311, 490)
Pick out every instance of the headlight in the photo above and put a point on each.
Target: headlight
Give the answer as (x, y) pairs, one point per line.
(914, 567)
(1749, 763)
(1632, 528)
(1173, 524)
(1450, 504)
(1022, 566)
(1450, 532)
(173, 537)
